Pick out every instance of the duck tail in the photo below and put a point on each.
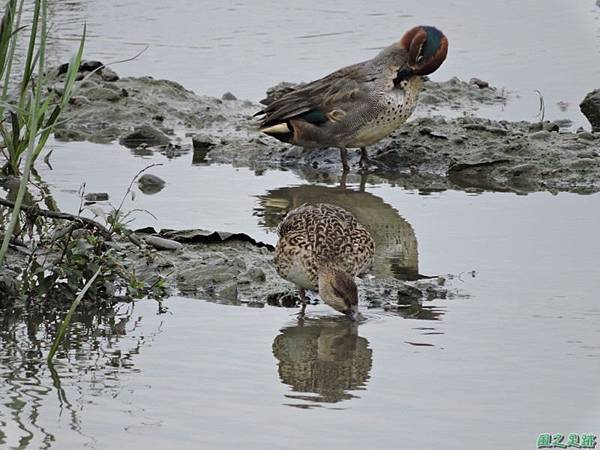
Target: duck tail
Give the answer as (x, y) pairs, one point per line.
(281, 131)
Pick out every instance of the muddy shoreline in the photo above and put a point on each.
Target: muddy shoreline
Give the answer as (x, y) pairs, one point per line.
(430, 152)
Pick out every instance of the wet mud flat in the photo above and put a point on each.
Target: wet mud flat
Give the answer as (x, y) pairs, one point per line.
(430, 151)
(233, 268)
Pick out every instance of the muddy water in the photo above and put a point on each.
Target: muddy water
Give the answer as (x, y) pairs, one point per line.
(517, 356)
(246, 46)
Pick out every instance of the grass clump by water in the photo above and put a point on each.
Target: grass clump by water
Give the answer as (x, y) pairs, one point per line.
(57, 259)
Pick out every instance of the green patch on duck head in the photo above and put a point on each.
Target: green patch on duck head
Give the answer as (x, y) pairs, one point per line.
(432, 43)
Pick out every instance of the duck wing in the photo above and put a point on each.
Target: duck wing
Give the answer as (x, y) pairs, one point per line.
(321, 100)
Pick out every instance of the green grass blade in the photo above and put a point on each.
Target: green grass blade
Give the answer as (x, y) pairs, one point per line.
(33, 125)
(72, 71)
(29, 63)
(62, 329)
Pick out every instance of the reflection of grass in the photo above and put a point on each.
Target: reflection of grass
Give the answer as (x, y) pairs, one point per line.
(98, 342)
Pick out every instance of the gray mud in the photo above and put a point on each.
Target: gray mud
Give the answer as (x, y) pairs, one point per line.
(235, 269)
(428, 152)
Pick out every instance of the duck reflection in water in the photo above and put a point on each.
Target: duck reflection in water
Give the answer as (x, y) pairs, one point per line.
(396, 253)
(323, 356)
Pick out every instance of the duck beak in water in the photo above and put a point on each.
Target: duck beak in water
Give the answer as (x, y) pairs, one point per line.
(353, 314)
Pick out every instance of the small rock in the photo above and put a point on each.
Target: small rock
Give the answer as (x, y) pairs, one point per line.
(162, 243)
(409, 295)
(109, 75)
(587, 154)
(497, 131)
(479, 83)
(79, 100)
(424, 131)
(564, 123)
(96, 197)
(586, 135)
(89, 66)
(228, 96)
(229, 292)
(144, 134)
(590, 107)
(201, 144)
(102, 94)
(541, 135)
(66, 135)
(536, 126)
(150, 184)
(551, 126)
(584, 163)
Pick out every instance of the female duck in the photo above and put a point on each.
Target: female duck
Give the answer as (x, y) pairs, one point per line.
(322, 248)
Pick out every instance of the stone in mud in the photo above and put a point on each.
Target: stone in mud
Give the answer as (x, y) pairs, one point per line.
(409, 295)
(586, 135)
(162, 243)
(479, 83)
(229, 292)
(145, 134)
(552, 127)
(89, 66)
(228, 96)
(590, 107)
(202, 142)
(67, 135)
(79, 100)
(540, 135)
(96, 197)
(109, 75)
(150, 184)
(102, 94)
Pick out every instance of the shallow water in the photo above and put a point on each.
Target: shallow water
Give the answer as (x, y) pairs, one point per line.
(517, 355)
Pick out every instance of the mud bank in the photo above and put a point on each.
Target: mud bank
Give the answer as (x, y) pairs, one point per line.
(235, 269)
(429, 151)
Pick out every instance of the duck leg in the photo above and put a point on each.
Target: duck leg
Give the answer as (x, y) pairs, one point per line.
(304, 301)
(344, 156)
(364, 159)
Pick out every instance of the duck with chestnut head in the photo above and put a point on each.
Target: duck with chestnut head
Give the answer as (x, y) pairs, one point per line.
(358, 105)
(322, 248)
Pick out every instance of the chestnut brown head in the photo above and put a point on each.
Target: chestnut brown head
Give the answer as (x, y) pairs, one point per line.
(427, 49)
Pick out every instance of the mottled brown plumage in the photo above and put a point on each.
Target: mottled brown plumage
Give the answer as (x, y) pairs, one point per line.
(322, 248)
(358, 105)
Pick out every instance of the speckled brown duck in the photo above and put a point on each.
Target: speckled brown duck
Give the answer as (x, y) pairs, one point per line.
(358, 105)
(322, 248)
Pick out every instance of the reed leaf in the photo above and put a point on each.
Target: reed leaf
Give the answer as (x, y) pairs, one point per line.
(62, 329)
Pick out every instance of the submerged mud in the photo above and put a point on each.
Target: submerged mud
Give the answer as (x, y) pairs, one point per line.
(428, 152)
